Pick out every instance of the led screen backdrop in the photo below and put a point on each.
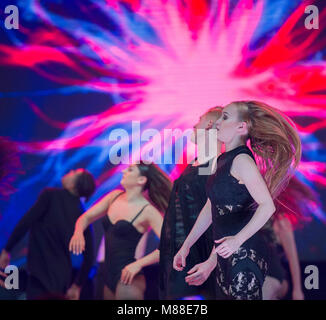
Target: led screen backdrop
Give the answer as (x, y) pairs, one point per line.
(75, 71)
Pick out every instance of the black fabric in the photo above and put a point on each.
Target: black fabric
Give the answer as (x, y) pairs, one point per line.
(277, 255)
(187, 198)
(242, 274)
(51, 222)
(35, 289)
(275, 268)
(121, 240)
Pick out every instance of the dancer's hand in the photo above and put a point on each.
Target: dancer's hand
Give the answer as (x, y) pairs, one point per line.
(129, 272)
(297, 294)
(2, 274)
(228, 246)
(4, 259)
(77, 243)
(200, 272)
(73, 292)
(179, 260)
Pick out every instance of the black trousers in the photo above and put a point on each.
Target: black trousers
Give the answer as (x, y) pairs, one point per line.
(35, 290)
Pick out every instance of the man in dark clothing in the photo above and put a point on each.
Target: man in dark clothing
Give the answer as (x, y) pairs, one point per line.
(51, 223)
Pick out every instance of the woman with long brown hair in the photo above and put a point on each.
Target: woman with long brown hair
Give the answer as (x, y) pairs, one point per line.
(240, 196)
(127, 216)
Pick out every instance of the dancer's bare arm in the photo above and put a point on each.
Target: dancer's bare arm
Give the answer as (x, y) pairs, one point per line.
(284, 231)
(77, 242)
(245, 170)
(202, 223)
(154, 220)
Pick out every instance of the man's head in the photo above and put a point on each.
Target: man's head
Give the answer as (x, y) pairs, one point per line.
(206, 122)
(79, 182)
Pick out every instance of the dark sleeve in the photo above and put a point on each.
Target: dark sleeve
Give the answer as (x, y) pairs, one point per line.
(88, 258)
(167, 239)
(25, 223)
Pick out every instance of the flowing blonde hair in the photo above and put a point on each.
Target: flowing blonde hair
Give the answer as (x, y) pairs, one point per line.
(274, 140)
(297, 203)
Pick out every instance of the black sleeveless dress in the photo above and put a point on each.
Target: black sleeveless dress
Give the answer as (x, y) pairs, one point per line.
(187, 198)
(240, 276)
(121, 239)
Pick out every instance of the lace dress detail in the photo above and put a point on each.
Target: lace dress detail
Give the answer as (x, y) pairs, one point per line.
(240, 276)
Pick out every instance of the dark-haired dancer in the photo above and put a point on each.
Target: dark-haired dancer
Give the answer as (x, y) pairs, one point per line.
(187, 199)
(240, 199)
(51, 223)
(127, 216)
(293, 208)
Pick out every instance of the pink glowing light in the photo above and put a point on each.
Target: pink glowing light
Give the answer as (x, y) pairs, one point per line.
(204, 60)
